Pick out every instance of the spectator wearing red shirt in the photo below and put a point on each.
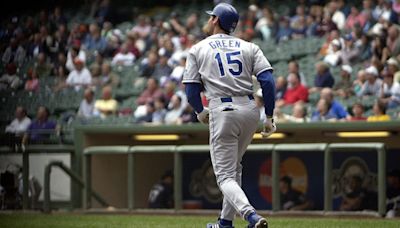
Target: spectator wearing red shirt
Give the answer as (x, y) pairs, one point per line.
(151, 92)
(358, 112)
(295, 91)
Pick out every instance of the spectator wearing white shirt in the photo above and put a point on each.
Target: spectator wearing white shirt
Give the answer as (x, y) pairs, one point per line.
(390, 91)
(20, 124)
(73, 53)
(86, 108)
(173, 115)
(80, 76)
(123, 57)
(338, 16)
(372, 85)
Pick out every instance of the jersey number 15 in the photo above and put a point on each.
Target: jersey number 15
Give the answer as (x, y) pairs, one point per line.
(230, 58)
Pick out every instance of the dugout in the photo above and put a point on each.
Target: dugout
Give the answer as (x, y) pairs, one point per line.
(109, 172)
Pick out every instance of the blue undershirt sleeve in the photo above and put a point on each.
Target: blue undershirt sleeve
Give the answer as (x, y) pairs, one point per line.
(268, 91)
(193, 91)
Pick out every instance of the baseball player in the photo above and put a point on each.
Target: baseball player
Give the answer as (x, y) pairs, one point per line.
(222, 66)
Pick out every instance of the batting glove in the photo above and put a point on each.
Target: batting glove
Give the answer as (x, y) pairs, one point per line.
(269, 127)
(203, 116)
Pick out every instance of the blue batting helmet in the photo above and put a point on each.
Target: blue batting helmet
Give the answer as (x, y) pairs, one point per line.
(227, 14)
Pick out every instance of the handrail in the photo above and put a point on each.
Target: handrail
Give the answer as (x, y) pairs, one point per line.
(74, 177)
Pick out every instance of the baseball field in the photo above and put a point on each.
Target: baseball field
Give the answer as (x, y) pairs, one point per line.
(16, 220)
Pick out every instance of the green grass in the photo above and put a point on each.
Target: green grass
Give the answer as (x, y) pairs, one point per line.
(75, 220)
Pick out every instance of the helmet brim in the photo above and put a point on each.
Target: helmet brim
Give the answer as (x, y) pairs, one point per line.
(209, 12)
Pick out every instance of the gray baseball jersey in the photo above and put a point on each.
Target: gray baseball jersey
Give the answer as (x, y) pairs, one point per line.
(224, 65)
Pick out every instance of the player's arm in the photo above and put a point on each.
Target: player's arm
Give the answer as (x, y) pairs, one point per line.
(193, 91)
(267, 84)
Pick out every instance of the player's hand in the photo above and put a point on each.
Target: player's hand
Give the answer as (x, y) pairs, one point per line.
(269, 127)
(203, 116)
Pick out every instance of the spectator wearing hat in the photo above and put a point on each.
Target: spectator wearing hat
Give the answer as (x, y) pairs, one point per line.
(390, 91)
(379, 112)
(344, 86)
(123, 57)
(74, 52)
(323, 78)
(333, 57)
(393, 68)
(358, 112)
(373, 83)
(80, 76)
(295, 91)
(106, 106)
(350, 53)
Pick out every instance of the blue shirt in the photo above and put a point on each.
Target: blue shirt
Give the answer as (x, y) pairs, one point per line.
(37, 130)
(324, 80)
(338, 110)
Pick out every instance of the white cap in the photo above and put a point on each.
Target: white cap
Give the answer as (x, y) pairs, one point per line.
(392, 61)
(372, 70)
(336, 42)
(347, 68)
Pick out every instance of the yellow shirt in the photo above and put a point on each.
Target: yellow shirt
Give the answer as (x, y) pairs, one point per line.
(106, 107)
(378, 118)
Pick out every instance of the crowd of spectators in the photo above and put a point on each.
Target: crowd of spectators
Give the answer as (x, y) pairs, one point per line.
(89, 57)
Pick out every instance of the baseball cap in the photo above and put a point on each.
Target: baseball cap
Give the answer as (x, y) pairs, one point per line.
(392, 61)
(77, 60)
(347, 68)
(372, 70)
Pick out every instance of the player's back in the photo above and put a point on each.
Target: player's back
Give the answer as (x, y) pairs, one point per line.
(226, 64)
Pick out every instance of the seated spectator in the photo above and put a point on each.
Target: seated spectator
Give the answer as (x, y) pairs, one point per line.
(188, 115)
(162, 194)
(108, 77)
(373, 84)
(14, 53)
(86, 108)
(355, 19)
(280, 87)
(106, 106)
(150, 93)
(41, 128)
(295, 91)
(344, 86)
(292, 199)
(177, 72)
(323, 78)
(335, 107)
(298, 114)
(333, 57)
(393, 68)
(393, 193)
(350, 52)
(60, 82)
(32, 84)
(147, 117)
(390, 91)
(359, 83)
(43, 67)
(80, 76)
(284, 30)
(173, 114)
(357, 198)
(94, 41)
(143, 27)
(148, 65)
(393, 40)
(293, 67)
(10, 80)
(358, 113)
(379, 110)
(17, 128)
(159, 111)
(123, 57)
(323, 113)
(75, 52)
(338, 17)
(162, 70)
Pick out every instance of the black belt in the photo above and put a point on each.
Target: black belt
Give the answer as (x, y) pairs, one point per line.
(229, 99)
